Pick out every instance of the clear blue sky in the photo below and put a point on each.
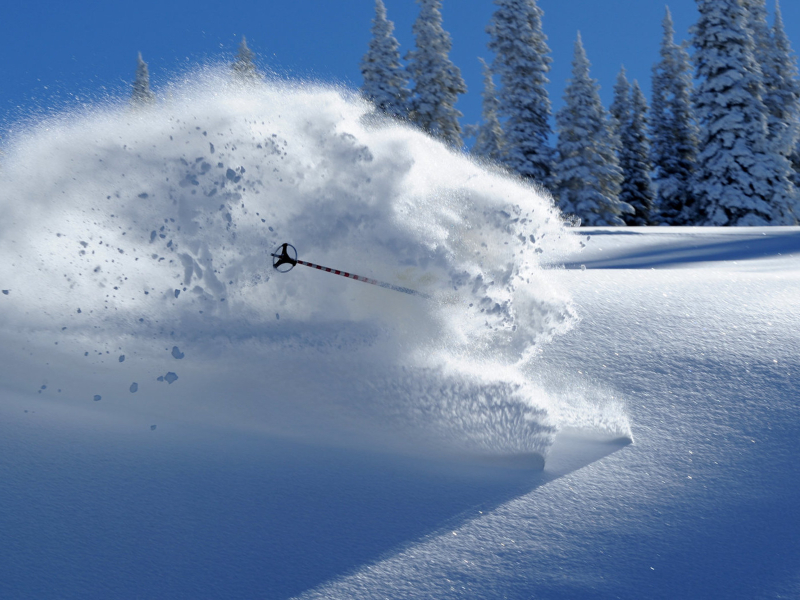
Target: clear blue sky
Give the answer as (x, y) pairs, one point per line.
(53, 51)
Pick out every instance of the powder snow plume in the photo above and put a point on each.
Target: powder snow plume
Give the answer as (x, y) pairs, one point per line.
(137, 276)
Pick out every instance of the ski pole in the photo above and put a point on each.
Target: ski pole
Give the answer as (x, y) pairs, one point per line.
(284, 260)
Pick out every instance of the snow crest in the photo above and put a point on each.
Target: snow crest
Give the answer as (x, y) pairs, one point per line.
(131, 232)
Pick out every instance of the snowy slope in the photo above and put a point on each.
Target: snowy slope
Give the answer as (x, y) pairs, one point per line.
(326, 438)
(704, 503)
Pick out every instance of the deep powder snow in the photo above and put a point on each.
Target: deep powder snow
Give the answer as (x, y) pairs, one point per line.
(147, 233)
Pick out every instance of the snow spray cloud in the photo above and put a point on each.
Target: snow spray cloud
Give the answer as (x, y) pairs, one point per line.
(132, 237)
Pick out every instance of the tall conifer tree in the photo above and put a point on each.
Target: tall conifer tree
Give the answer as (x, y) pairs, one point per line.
(587, 172)
(629, 111)
(673, 132)
(739, 179)
(789, 89)
(141, 94)
(437, 81)
(522, 63)
(385, 79)
(244, 66)
(781, 88)
(778, 73)
(756, 20)
(637, 187)
(489, 138)
(620, 108)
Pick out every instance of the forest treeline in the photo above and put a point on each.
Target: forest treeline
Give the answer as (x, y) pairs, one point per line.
(718, 143)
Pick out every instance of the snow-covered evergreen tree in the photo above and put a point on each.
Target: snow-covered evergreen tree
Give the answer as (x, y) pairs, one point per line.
(244, 66)
(437, 81)
(783, 98)
(673, 132)
(489, 136)
(587, 173)
(141, 94)
(787, 65)
(739, 179)
(629, 111)
(620, 107)
(781, 88)
(620, 113)
(522, 62)
(385, 78)
(637, 186)
(756, 20)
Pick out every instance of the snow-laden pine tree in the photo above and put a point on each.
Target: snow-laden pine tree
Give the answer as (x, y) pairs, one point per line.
(637, 186)
(385, 78)
(756, 20)
(781, 89)
(620, 108)
(789, 90)
(587, 173)
(778, 73)
(521, 63)
(673, 132)
(629, 111)
(141, 94)
(489, 136)
(620, 113)
(739, 179)
(244, 66)
(437, 81)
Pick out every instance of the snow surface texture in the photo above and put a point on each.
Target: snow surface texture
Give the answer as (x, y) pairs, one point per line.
(136, 238)
(699, 330)
(702, 342)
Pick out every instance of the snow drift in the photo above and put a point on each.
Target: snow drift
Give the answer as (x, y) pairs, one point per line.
(137, 279)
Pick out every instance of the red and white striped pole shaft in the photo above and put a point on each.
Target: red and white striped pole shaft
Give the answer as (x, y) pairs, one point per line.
(283, 258)
(382, 284)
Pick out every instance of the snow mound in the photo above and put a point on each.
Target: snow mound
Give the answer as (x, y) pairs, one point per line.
(136, 267)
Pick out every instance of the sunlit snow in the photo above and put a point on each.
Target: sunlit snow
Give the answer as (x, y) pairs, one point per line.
(147, 233)
(179, 420)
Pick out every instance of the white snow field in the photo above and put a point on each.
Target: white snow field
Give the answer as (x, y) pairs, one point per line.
(177, 420)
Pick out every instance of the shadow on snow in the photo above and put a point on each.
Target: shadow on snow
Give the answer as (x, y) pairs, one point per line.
(222, 518)
(692, 249)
